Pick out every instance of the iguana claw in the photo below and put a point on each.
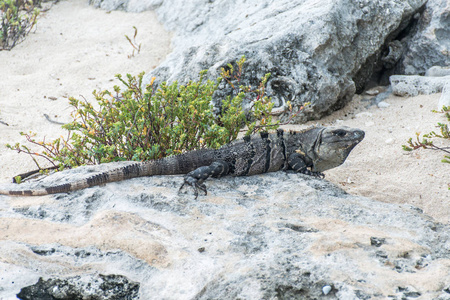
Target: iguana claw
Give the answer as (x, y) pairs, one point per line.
(196, 184)
(198, 176)
(318, 175)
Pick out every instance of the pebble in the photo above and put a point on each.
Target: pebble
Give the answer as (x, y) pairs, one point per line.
(326, 289)
(389, 141)
(372, 92)
(368, 124)
(383, 104)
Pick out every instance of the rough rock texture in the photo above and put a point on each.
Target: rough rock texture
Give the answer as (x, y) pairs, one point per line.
(273, 236)
(111, 287)
(436, 80)
(317, 51)
(429, 45)
(413, 85)
(437, 71)
(444, 100)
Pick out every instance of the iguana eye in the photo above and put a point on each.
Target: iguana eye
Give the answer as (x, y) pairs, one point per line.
(340, 133)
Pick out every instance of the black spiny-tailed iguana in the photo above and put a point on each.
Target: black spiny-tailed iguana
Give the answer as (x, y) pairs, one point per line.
(310, 152)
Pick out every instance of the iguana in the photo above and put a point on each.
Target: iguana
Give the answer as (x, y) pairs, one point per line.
(310, 151)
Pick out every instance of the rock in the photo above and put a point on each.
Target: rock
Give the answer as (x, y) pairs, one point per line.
(437, 71)
(377, 242)
(326, 289)
(372, 92)
(101, 287)
(383, 104)
(444, 100)
(316, 51)
(394, 53)
(429, 42)
(277, 235)
(413, 85)
(389, 141)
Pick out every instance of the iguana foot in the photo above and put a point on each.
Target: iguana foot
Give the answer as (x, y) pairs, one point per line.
(311, 173)
(297, 163)
(199, 175)
(195, 183)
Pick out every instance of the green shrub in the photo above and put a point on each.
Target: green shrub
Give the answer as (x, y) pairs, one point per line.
(17, 18)
(145, 123)
(426, 141)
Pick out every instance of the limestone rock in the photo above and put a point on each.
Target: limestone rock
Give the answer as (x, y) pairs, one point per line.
(278, 235)
(429, 45)
(317, 51)
(437, 71)
(444, 100)
(413, 85)
(100, 287)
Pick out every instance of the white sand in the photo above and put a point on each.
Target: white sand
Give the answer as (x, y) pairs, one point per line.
(378, 168)
(77, 49)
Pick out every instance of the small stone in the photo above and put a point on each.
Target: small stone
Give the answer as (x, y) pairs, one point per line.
(389, 141)
(383, 104)
(377, 242)
(369, 124)
(373, 92)
(447, 289)
(326, 289)
(408, 292)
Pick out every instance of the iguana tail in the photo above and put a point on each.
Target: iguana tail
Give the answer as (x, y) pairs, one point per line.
(180, 164)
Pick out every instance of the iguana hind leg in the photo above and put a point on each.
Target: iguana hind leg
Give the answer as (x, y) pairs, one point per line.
(297, 163)
(199, 175)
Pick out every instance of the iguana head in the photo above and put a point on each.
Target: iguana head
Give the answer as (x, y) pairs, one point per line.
(333, 145)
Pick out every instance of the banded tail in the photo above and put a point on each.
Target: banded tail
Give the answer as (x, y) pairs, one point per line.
(174, 165)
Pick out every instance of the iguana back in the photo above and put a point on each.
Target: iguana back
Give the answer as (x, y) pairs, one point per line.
(310, 152)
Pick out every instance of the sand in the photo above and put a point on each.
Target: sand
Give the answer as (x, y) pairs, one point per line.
(77, 48)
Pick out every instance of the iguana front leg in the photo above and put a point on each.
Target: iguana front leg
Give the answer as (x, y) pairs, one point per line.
(297, 163)
(199, 175)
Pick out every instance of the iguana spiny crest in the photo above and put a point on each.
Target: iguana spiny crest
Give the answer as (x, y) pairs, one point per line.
(310, 151)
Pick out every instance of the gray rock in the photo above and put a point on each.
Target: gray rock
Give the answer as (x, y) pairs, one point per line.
(413, 85)
(444, 100)
(272, 236)
(317, 51)
(429, 45)
(101, 287)
(437, 71)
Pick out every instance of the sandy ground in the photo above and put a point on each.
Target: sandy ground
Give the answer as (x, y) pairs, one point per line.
(380, 169)
(77, 49)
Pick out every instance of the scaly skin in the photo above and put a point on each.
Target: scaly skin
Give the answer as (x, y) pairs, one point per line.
(309, 151)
